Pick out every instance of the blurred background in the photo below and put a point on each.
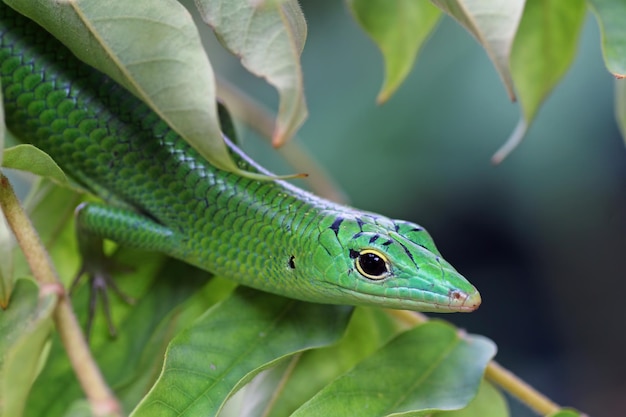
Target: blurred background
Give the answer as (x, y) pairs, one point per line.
(543, 235)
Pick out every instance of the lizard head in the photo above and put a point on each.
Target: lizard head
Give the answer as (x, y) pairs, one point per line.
(372, 260)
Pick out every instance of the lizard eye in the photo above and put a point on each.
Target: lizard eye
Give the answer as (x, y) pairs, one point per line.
(372, 264)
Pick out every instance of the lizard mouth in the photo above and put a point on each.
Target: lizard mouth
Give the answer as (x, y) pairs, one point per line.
(456, 301)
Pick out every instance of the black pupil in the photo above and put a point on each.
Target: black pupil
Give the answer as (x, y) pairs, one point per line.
(372, 264)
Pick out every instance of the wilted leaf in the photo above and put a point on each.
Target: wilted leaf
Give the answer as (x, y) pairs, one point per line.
(34, 160)
(543, 50)
(399, 28)
(155, 52)
(426, 369)
(611, 15)
(493, 23)
(24, 326)
(269, 41)
(255, 330)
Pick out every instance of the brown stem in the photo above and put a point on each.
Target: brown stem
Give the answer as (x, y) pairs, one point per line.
(103, 402)
(259, 118)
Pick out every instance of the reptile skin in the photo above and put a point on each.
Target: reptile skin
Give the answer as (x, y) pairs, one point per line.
(159, 194)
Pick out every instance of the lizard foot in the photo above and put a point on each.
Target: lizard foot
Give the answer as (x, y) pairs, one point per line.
(100, 282)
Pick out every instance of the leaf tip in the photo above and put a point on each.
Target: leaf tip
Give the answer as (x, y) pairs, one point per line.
(279, 137)
(382, 97)
(511, 143)
(390, 86)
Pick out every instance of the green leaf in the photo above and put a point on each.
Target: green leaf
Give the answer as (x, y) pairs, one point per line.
(153, 50)
(232, 342)
(493, 23)
(426, 369)
(269, 41)
(149, 359)
(34, 160)
(566, 413)
(399, 28)
(79, 408)
(489, 402)
(24, 326)
(267, 3)
(369, 329)
(543, 50)
(131, 361)
(611, 15)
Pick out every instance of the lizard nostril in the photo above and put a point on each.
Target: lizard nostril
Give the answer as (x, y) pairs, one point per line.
(465, 301)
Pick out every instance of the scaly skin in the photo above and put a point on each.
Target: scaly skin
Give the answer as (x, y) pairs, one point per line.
(162, 195)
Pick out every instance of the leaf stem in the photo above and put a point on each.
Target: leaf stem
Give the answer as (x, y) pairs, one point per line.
(512, 142)
(260, 119)
(520, 389)
(101, 399)
(282, 384)
(496, 374)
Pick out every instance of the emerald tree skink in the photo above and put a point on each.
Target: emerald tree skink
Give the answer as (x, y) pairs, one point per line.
(161, 195)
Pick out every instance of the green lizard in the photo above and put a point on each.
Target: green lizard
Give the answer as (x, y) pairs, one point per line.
(161, 195)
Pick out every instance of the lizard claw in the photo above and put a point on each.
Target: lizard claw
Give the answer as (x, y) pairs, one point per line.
(100, 282)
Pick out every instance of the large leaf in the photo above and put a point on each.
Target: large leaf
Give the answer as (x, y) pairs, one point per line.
(399, 28)
(489, 402)
(153, 49)
(543, 50)
(24, 326)
(132, 358)
(611, 15)
(493, 23)
(231, 343)
(426, 369)
(279, 391)
(34, 160)
(148, 364)
(269, 41)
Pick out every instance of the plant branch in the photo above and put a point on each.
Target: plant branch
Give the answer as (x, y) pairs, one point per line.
(520, 389)
(496, 374)
(259, 118)
(101, 399)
